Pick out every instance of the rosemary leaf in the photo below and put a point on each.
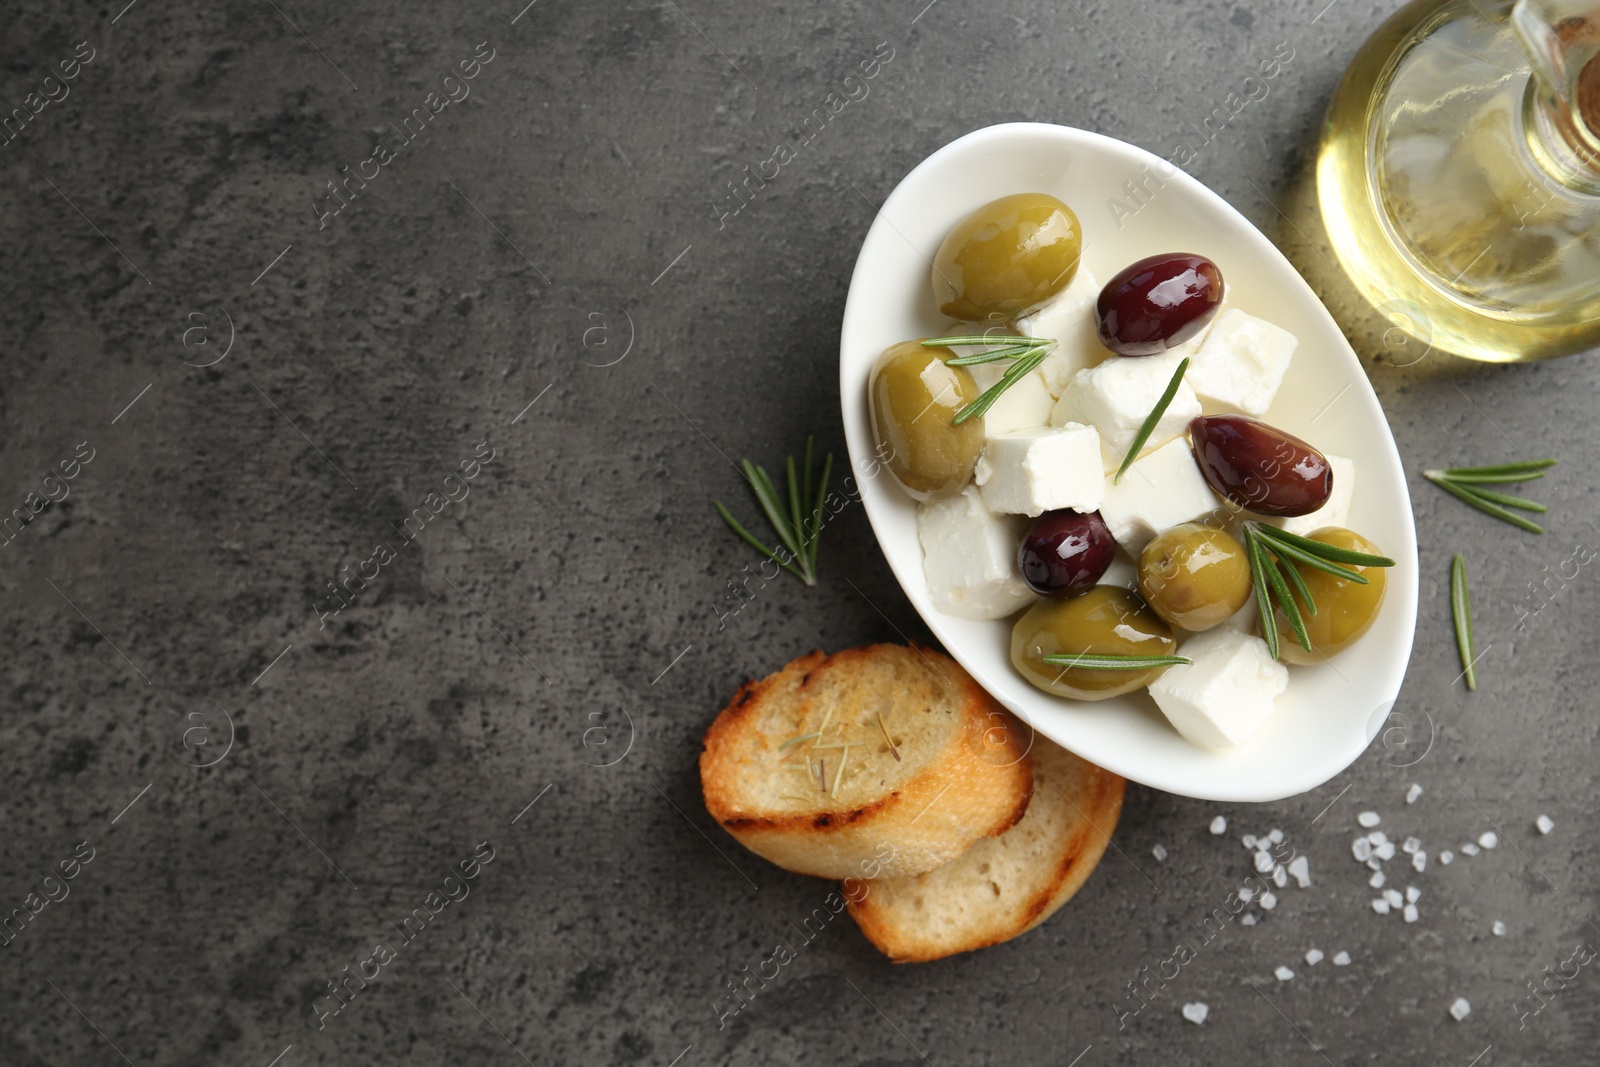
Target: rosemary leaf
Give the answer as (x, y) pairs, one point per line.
(771, 505)
(1113, 662)
(984, 339)
(1529, 470)
(1285, 599)
(816, 510)
(992, 356)
(1467, 495)
(747, 536)
(1507, 500)
(1152, 419)
(1302, 556)
(1461, 613)
(1015, 372)
(795, 516)
(1323, 551)
(1258, 582)
(1299, 583)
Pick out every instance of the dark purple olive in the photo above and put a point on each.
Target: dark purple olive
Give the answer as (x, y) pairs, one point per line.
(1065, 552)
(1158, 303)
(1259, 467)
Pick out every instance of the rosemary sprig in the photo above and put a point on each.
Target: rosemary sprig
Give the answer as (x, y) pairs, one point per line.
(797, 520)
(1152, 419)
(1273, 554)
(1113, 661)
(1466, 484)
(1461, 614)
(1028, 353)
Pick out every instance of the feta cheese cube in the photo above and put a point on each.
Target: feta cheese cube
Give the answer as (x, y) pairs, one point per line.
(1027, 403)
(1226, 693)
(1115, 397)
(1069, 319)
(1241, 364)
(1336, 512)
(1161, 490)
(1122, 572)
(970, 557)
(1029, 472)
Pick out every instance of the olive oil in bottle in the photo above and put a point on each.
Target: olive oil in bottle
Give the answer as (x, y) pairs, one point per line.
(1459, 175)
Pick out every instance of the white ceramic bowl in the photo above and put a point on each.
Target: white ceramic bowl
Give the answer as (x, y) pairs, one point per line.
(1330, 712)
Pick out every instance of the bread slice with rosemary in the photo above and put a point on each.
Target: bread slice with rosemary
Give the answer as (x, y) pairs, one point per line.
(883, 760)
(1003, 886)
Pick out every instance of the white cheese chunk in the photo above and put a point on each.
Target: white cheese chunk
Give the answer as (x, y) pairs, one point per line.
(1116, 397)
(1159, 491)
(1027, 472)
(970, 557)
(1336, 512)
(1226, 693)
(1025, 403)
(1241, 364)
(1069, 319)
(1122, 572)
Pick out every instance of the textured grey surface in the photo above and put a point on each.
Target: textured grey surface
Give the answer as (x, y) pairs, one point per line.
(503, 259)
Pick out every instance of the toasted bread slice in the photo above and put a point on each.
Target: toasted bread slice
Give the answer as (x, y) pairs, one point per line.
(1002, 886)
(875, 761)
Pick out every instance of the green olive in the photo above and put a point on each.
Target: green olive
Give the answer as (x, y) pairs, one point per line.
(1194, 576)
(913, 396)
(1007, 258)
(1106, 620)
(1345, 609)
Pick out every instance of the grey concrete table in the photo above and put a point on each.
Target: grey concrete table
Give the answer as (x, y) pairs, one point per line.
(487, 378)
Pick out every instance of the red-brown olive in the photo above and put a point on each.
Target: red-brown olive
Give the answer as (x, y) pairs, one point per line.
(1259, 467)
(1158, 303)
(1065, 552)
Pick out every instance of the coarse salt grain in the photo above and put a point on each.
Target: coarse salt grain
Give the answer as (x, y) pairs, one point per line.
(1410, 845)
(1313, 957)
(1447, 857)
(1460, 1009)
(1283, 974)
(1246, 894)
(1276, 836)
(1413, 793)
(1377, 837)
(1219, 825)
(1488, 839)
(1376, 881)
(1196, 1012)
(1264, 862)
(1380, 906)
(1361, 849)
(1498, 929)
(1469, 849)
(1410, 913)
(1249, 840)
(1300, 871)
(1280, 877)
(1374, 864)
(1393, 897)
(1413, 894)
(1160, 853)
(1384, 851)
(1369, 819)
(1419, 862)
(1341, 959)
(1545, 824)
(1269, 900)
(1249, 919)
